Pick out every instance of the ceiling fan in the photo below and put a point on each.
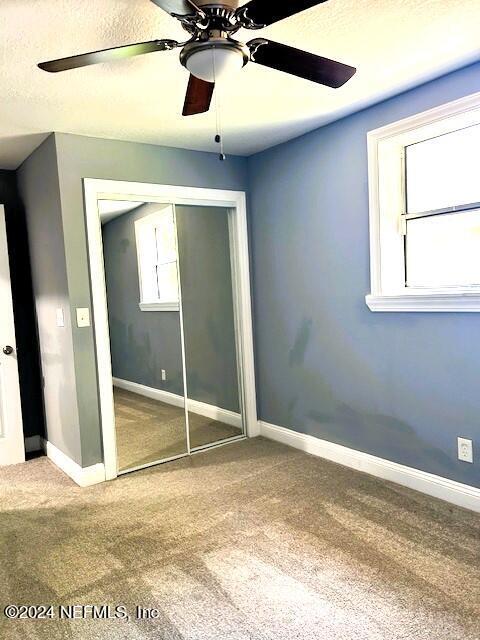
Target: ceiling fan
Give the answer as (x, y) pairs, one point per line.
(211, 52)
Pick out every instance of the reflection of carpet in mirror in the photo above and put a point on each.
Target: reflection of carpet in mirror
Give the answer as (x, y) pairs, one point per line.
(148, 430)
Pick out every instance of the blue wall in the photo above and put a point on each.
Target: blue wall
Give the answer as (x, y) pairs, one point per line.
(397, 385)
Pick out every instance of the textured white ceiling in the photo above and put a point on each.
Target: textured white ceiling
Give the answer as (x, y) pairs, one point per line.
(394, 43)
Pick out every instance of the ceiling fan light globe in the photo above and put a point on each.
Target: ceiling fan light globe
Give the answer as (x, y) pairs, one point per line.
(214, 64)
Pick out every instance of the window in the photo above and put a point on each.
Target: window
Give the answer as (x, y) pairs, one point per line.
(157, 261)
(425, 211)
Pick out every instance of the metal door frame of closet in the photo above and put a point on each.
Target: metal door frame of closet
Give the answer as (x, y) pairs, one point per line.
(235, 203)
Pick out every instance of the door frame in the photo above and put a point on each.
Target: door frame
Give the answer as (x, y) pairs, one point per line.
(235, 201)
(13, 449)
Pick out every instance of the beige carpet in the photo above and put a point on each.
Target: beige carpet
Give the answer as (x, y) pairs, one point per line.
(249, 541)
(148, 430)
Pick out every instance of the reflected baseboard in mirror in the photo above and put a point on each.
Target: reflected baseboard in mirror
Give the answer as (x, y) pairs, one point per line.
(205, 431)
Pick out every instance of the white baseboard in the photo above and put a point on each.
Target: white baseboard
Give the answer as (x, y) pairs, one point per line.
(200, 408)
(33, 443)
(149, 392)
(83, 476)
(215, 413)
(462, 495)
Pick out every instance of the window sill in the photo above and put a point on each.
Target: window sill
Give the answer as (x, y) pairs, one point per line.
(159, 306)
(463, 302)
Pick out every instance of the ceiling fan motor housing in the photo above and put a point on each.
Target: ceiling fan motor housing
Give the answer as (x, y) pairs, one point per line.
(214, 58)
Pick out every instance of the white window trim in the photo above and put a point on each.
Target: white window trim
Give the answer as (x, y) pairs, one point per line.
(386, 200)
(159, 306)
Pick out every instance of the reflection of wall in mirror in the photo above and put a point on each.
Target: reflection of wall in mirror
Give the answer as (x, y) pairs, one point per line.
(143, 343)
(207, 301)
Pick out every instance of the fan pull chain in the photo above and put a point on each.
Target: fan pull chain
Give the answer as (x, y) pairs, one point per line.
(218, 119)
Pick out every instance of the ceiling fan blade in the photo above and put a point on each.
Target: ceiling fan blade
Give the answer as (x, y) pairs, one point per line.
(199, 96)
(260, 13)
(175, 8)
(300, 63)
(107, 55)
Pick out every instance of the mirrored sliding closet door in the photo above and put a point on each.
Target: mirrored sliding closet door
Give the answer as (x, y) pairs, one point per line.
(173, 338)
(209, 326)
(143, 300)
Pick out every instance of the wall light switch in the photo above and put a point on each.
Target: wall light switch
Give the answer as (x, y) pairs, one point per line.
(60, 318)
(164, 375)
(83, 317)
(465, 450)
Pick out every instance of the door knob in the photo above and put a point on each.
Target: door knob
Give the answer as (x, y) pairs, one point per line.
(8, 350)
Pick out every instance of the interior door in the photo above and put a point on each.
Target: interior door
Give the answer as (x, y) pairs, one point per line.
(12, 448)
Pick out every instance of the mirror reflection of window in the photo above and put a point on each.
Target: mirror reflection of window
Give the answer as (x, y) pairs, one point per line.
(157, 261)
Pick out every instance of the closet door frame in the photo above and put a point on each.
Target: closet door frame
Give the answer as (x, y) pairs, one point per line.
(235, 202)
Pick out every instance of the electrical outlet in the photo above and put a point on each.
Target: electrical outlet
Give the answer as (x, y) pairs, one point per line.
(83, 317)
(164, 375)
(465, 450)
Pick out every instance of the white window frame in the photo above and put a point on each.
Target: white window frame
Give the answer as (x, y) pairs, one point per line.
(145, 304)
(386, 174)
